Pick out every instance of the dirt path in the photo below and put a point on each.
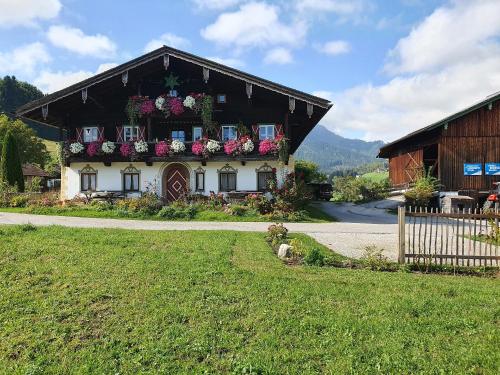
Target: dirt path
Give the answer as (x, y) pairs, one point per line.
(345, 238)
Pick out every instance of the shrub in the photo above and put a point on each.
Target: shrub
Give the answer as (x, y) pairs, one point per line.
(297, 250)
(358, 189)
(44, 200)
(259, 202)
(172, 212)
(291, 196)
(19, 200)
(314, 258)
(10, 164)
(422, 193)
(34, 185)
(276, 234)
(374, 259)
(236, 209)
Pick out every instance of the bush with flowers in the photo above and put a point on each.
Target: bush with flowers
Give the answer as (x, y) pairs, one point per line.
(141, 146)
(292, 195)
(94, 148)
(76, 148)
(177, 146)
(162, 148)
(108, 147)
(127, 149)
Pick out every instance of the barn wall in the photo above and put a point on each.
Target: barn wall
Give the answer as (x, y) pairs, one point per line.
(403, 168)
(473, 138)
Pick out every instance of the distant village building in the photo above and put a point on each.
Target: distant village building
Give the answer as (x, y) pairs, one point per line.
(31, 170)
(461, 150)
(151, 123)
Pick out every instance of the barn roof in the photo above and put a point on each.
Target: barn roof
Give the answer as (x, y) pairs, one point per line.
(172, 52)
(386, 149)
(33, 170)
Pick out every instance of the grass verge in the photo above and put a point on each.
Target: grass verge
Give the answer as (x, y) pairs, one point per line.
(117, 301)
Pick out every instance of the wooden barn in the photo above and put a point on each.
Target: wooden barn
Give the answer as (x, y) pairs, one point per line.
(461, 150)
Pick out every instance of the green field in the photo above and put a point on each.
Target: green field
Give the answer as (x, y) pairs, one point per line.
(114, 301)
(376, 176)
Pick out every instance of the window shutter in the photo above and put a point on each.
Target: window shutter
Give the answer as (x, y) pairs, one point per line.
(255, 131)
(119, 134)
(79, 135)
(141, 133)
(278, 129)
(100, 136)
(219, 133)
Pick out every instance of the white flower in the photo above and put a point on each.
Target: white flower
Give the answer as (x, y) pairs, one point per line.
(140, 146)
(76, 147)
(108, 147)
(160, 102)
(248, 146)
(189, 102)
(213, 146)
(177, 146)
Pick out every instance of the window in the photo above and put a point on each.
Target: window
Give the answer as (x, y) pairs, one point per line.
(264, 174)
(131, 177)
(200, 179)
(197, 133)
(179, 135)
(266, 132)
(227, 178)
(90, 134)
(130, 133)
(221, 98)
(228, 132)
(88, 179)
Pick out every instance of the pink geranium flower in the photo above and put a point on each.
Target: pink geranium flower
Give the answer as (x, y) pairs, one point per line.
(231, 147)
(267, 146)
(94, 148)
(162, 148)
(127, 149)
(176, 106)
(197, 148)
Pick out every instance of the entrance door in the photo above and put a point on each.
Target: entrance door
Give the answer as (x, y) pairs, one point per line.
(175, 182)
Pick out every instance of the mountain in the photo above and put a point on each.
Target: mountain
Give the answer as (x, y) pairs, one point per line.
(332, 152)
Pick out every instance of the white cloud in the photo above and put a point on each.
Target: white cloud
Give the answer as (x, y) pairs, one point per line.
(23, 60)
(254, 24)
(49, 81)
(462, 31)
(278, 56)
(341, 7)
(168, 39)
(235, 63)
(448, 62)
(75, 40)
(26, 12)
(335, 47)
(215, 4)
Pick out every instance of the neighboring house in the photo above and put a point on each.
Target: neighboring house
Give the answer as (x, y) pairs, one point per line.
(31, 170)
(94, 111)
(462, 150)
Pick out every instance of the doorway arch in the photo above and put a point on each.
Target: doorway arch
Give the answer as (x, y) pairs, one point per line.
(175, 181)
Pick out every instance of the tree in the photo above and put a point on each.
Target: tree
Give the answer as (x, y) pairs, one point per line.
(31, 148)
(11, 171)
(14, 93)
(309, 171)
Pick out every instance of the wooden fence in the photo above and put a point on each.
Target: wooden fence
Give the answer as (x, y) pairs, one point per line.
(460, 237)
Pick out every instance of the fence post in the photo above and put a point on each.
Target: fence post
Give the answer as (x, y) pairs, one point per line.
(401, 242)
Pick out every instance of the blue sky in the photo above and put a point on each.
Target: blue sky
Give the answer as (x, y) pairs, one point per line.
(388, 66)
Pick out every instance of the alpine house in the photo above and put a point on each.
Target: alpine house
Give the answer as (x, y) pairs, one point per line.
(176, 123)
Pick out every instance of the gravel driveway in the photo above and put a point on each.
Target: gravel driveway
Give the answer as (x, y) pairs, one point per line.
(345, 238)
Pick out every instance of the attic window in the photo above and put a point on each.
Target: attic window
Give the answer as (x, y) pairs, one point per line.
(221, 98)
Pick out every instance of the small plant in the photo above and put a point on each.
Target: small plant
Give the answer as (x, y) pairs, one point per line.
(34, 185)
(422, 193)
(374, 259)
(314, 258)
(276, 234)
(19, 200)
(298, 250)
(27, 227)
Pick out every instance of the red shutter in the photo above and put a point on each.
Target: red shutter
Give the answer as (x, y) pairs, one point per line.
(79, 135)
(278, 129)
(101, 134)
(119, 134)
(141, 136)
(255, 131)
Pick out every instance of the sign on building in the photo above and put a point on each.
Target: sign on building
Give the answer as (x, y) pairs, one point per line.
(492, 169)
(473, 169)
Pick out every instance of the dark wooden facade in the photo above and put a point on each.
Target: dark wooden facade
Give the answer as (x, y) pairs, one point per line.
(470, 136)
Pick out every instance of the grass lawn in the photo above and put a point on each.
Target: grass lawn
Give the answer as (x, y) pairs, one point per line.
(313, 214)
(376, 176)
(116, 301)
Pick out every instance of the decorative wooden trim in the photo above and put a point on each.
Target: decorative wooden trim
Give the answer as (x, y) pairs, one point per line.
(131, 170)
(87, 170)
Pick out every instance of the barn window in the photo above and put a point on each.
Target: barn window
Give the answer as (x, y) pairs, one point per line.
(179, 135)
(229, 132)
(221, 98)
(266, 131)
(90, 134)
(130, 133)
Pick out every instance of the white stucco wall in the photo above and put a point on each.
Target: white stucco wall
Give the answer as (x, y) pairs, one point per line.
(110, 178)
